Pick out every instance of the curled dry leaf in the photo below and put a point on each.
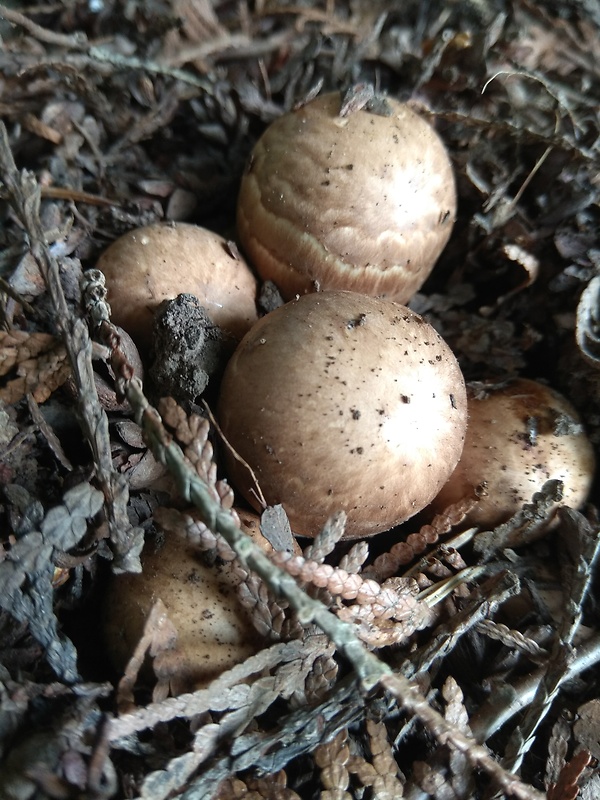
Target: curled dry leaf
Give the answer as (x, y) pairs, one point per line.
(159, 636)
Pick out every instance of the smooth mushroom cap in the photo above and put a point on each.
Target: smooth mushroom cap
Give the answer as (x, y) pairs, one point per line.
(160, 261)
(213, 629)
(520, 434)
(343, 401)
(363, 202)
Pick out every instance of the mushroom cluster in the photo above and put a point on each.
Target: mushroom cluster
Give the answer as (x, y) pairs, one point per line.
(343, 398)
(338, 399)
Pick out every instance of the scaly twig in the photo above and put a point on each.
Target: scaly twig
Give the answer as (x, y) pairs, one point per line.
(588, 540)
(22, 192)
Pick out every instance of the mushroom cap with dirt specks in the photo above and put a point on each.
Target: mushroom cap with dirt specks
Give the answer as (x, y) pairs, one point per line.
(158, 262)
(364, 202)
(340, 401)
(214, 632)
(520, 434)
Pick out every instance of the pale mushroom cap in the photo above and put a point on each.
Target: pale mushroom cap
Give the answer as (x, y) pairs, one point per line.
(519, 436)
(343, 401)
(363, 202)
(155, 263)
(214, 631)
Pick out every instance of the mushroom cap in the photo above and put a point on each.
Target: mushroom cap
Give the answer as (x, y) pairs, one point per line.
(213, 629)
(362, 202)
(520, 434)
(342, 401)
(158, 262)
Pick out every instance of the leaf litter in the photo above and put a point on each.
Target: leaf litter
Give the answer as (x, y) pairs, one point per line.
(386, 665)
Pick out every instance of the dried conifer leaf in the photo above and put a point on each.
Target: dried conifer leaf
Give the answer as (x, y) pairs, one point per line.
(433, 780)
(41, 362)
(272, 787)
(19, 346)
(403, 553)
(221, 695)
(241, 704)
(159, 635)
(26, 574)
(456, 713)
(35, 757)
(299, 734)
(266, 614)
(193, 431)
(326, 539)
(322, 677)
(354, 559)
(383, 772)
(523, 525)
(566, 788)
(332, 758)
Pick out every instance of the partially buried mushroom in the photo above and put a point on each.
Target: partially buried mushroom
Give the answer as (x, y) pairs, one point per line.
(214, 631)
(340, 401)
(158, 262)
(520, 434)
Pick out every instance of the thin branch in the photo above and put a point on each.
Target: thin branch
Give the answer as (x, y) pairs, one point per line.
(77, 40)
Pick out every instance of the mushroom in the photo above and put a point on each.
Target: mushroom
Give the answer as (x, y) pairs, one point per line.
(160, 261)
(340, 401)
(520, 434)
(363, 201)
(214, 631)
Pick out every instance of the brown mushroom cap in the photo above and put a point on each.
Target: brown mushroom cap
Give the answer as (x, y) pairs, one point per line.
(342, 401)
(213, 629)
(519, 435)
(160, 261)
(363, 202)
